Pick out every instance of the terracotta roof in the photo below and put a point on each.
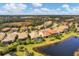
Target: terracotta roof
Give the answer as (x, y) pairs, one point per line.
(45, 32)
(34, 34)
(10, 37)
(22, 35)
(61, 28)
(5, 29)
(64, 23)
(48, 31)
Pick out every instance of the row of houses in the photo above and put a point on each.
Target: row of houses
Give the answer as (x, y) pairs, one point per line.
(48, 31)
(33, 34)
(6, 29)
(45, 24)
(11, 37)
(70, 23)
(13, 29)
(77, 27)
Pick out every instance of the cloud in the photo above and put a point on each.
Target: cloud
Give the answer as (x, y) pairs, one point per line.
(57, 11)
(46, 11)
(65, 10)
(65, 6)
(39, 9)
(76, 9)
(12, 8)
(69, 10)
(36, 4)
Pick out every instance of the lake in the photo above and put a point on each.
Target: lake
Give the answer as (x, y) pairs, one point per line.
(64, 48)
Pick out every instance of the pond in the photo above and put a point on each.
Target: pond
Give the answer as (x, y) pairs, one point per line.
(64, 48)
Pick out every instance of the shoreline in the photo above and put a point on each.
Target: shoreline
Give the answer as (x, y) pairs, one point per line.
(47, 41)
(32, 46)
(37, 49)
(53, 43)
(57, 41)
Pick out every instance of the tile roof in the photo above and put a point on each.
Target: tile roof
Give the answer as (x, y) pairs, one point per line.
(5, 29)
(10, 37)
(22, 35)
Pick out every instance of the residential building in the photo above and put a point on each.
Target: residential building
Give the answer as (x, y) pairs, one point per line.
(2, 36)
(10, 38)
(22, 35)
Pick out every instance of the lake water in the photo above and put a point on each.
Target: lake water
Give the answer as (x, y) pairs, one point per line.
(64, 48)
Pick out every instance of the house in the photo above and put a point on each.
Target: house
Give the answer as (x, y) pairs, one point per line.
(54, 25)
(2, 36)
(48, 23)
(77, 29)
(54, 30)
(14, 29)
(10, 38)
(64, 23)
(76, 25)
(48, 31)
(76, 53)
(42, 33)
(23, 29)
(39, 26)
(70, 20)
(57, 18)
(45, 32)
(70, 24)
(34, 34)
(5, 29)
(61, 28)
(22, 35)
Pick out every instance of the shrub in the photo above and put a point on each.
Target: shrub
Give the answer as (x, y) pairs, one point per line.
(37, 40)
(28, 41)
(22, 51)
(3, 50)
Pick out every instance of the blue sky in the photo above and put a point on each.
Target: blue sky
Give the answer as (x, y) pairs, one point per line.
(39, 9)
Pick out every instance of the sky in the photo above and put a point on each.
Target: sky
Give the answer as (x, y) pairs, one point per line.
(39, 9)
